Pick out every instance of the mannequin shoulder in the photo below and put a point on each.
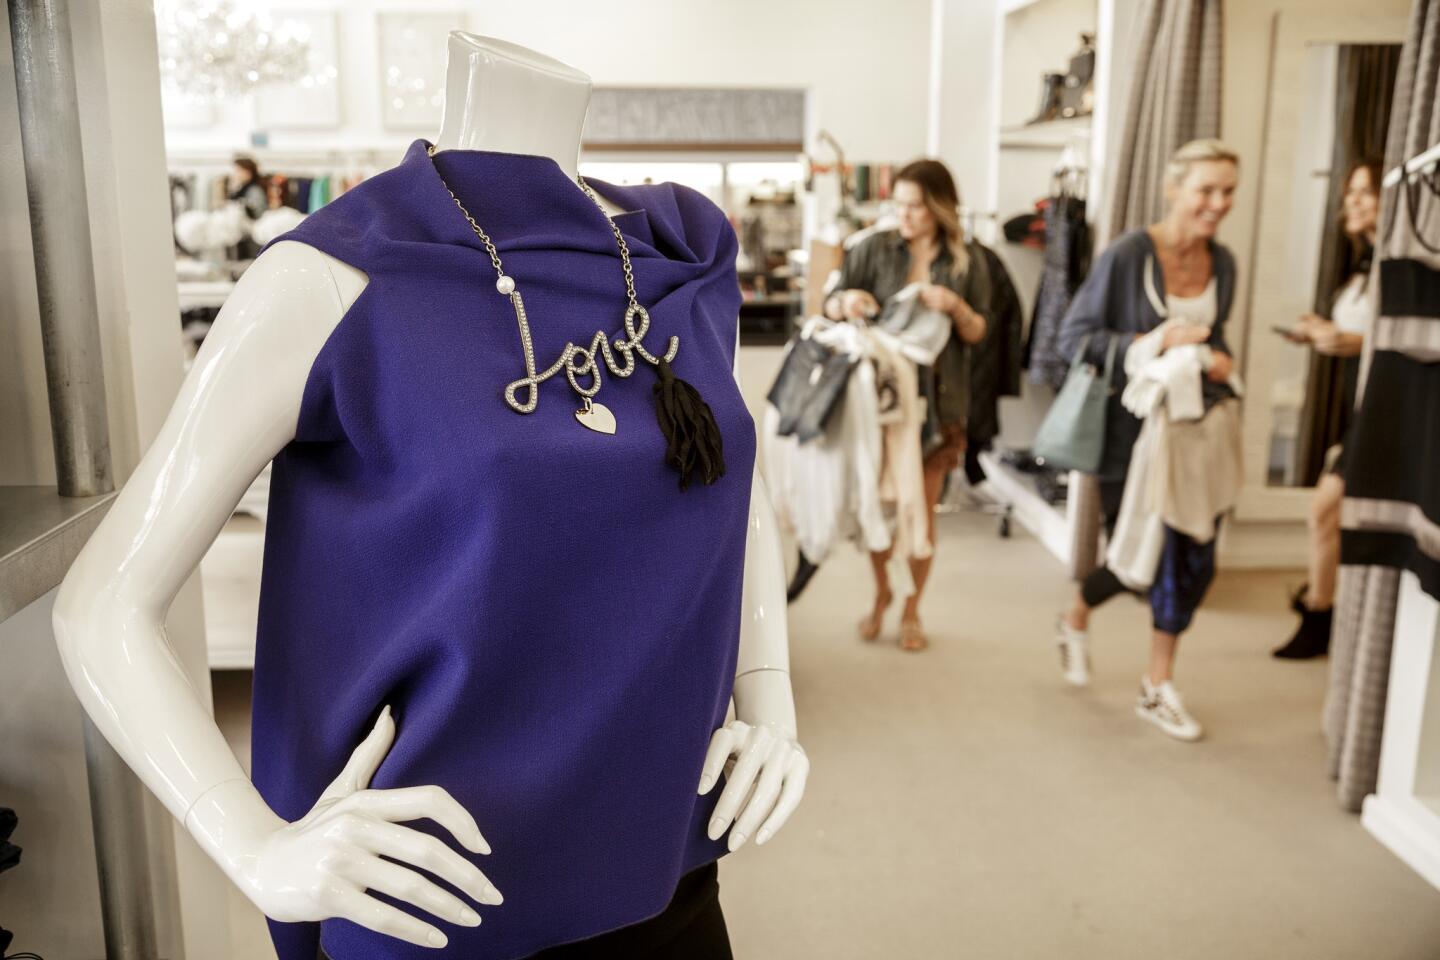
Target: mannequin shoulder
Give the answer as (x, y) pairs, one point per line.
(291, 297)
(273, 325)
(292, 269)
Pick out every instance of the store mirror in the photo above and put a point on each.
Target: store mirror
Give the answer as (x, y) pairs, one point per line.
(1341, 107)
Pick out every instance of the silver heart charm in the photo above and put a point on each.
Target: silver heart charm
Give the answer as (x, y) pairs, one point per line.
(596, 416)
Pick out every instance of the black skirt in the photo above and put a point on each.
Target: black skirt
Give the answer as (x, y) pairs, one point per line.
(690, 928)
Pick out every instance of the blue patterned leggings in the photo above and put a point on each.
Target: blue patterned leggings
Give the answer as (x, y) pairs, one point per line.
(1184, 574)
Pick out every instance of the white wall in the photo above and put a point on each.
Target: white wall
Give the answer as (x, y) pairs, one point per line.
(866, 64)
(965, 110)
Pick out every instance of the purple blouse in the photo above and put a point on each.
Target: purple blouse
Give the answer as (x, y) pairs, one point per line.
(554, 622)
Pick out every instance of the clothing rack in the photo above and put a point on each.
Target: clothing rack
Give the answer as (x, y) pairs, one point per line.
(1416, 166)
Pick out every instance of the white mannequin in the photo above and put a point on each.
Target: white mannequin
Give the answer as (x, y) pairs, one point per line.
(236, 409)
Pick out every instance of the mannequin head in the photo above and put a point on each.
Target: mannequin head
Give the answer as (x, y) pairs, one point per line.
(502, 96)
(1200, 183)
(928, 205)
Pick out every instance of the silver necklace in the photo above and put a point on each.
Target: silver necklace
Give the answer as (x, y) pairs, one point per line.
(577, 362)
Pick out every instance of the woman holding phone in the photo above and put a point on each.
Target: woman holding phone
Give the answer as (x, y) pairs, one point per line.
(1341, 335)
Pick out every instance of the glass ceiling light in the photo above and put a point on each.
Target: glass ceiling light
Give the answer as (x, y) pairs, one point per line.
(209, 50)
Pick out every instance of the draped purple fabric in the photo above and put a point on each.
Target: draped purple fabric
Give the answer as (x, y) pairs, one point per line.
(552, 620)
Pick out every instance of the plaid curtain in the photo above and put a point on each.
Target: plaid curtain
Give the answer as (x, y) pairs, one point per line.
(1173, 98)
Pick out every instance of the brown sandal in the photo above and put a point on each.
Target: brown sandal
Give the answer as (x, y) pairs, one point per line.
(870, 625)
(912, 636)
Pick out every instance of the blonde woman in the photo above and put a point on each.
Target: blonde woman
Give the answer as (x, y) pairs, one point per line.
(928, 246)
(1171, 271)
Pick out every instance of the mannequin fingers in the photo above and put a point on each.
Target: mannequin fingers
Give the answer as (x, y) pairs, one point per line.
(790, 794)
(767, 791)
(366, 758)
(403, 804)
(741, 779)
(721, 745)
(410, 846)
(407, 886)
(383, 918)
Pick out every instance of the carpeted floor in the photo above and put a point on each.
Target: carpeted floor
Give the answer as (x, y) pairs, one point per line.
(964, 803)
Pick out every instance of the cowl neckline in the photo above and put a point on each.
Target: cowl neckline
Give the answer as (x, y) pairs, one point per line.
(526, 201)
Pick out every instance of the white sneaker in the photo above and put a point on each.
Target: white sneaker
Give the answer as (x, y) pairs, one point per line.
(1162, 706)
(1074, 647)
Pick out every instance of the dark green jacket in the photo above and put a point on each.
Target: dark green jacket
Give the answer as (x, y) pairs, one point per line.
(880, 264)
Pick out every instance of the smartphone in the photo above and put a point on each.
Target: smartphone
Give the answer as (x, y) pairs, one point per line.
(1285, 332)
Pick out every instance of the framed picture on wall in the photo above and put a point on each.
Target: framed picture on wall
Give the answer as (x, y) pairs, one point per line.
(412, 66)
(314, 101)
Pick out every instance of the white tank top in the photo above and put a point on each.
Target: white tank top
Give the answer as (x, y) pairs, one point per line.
(1354, 311)
(1199, 310)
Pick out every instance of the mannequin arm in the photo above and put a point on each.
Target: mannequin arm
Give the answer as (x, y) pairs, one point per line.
(763, 735)
(235, 410)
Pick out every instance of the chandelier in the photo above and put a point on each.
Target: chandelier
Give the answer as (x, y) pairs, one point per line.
(209, 50)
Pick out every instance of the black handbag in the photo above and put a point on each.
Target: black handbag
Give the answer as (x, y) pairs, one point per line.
(810, 386)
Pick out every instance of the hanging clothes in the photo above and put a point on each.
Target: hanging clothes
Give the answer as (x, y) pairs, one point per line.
(995, 360)
(1067, 260)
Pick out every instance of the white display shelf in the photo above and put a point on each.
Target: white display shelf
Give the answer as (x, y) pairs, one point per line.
(1047, 522)
(41, 533)
(204, 293)
(1049, 135)
(1404, 811)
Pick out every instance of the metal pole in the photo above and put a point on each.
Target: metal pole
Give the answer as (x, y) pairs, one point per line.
(60, 228)
(117, 812)
(69, 318)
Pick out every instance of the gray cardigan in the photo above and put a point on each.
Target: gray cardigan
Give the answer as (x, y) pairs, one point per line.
(1112, 304)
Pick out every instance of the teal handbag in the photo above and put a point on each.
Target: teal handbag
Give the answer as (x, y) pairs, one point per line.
(1072, 435)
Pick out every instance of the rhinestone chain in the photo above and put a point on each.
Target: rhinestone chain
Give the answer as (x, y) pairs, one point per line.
(495, 255)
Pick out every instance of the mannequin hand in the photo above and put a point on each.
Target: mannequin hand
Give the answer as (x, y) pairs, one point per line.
(1179, 335)
(322, 865)
(766, 751)
(1221, 366)
(859, 304)
(943, 299)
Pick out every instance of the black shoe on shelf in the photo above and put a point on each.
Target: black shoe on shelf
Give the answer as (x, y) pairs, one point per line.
(1311, 640)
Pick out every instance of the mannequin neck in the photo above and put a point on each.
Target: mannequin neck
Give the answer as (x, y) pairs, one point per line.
(504, 97)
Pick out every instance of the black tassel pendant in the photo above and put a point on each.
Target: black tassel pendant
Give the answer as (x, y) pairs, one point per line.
(692, 438)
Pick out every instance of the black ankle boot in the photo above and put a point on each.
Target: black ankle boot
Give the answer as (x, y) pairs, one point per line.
(803, 572)
(1311, 640)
